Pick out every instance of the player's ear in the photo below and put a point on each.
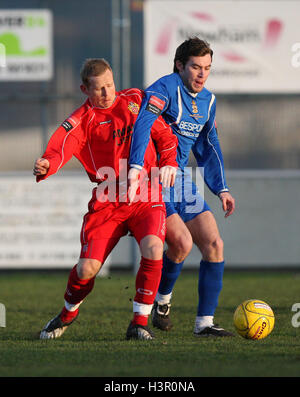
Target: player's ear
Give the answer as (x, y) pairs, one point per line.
(84, 89)
(179, 65)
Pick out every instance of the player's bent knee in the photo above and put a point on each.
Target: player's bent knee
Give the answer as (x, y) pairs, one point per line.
(151, 247)
(180, 247)
(186, 245)
(88, 268)
(218, 245)
(213, 250)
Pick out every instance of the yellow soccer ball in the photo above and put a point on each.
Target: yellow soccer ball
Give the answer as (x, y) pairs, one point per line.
(254, 319)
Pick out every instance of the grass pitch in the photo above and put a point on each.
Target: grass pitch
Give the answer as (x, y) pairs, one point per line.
(95, 345)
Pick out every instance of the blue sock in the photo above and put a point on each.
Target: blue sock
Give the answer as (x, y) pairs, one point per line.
(170, 273)
(209, 287)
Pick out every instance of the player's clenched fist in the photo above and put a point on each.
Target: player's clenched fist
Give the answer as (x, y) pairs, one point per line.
(41, 167)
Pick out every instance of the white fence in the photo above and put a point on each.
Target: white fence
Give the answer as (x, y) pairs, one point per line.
(264, 231)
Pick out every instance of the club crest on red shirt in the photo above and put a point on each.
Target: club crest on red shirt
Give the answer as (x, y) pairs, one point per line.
(133, 107)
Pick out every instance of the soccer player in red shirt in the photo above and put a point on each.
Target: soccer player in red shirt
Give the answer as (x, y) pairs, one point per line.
(98, 134)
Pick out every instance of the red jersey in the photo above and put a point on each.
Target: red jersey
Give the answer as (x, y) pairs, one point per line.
(101, 138)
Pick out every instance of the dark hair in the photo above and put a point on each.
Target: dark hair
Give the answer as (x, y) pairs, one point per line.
(93, 67)
(191, 47)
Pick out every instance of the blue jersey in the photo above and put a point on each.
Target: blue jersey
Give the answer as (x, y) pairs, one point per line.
(192, 119)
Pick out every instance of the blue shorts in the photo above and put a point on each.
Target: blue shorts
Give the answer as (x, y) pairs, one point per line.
(184, 198)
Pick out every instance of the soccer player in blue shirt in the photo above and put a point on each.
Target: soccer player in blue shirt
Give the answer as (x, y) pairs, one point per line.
(189, 108)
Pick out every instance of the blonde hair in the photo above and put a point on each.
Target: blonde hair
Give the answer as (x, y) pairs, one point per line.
(93, 67)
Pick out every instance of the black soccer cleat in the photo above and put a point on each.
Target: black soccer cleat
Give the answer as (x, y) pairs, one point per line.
(160, 316)
(141, 332)
(214, 331)
(55, 328)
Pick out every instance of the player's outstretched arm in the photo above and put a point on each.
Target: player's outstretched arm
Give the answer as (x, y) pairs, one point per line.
(41, 167)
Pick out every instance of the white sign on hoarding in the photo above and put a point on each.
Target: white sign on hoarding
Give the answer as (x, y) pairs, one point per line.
(40, 223)
(26, 45)
(252, 42)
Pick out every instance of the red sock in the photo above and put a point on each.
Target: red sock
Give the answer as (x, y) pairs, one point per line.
(147, 280)
(140, 319)
(77, 288)
(67, 316)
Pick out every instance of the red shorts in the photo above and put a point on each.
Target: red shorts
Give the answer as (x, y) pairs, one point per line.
(106, 223)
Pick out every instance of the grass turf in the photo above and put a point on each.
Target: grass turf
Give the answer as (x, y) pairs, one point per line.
(95, 345)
